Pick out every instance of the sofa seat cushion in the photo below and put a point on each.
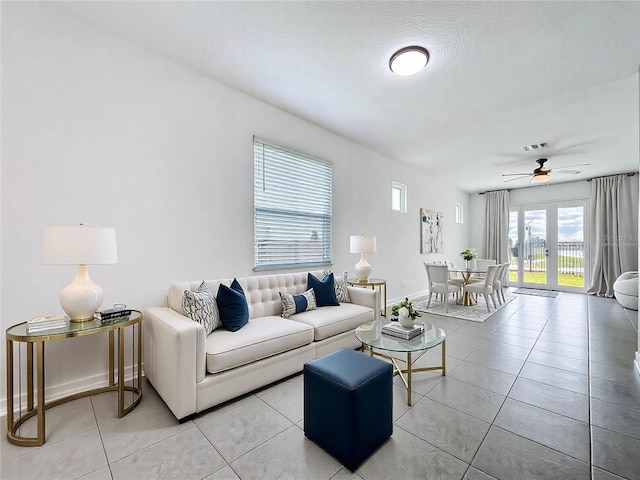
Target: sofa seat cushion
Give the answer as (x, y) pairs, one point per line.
(330, 321)
(259, 338)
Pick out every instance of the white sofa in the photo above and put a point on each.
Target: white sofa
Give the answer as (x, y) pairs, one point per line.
(625, 289)
(192, 371)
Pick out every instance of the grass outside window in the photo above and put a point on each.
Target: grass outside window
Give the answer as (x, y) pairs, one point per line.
(564, 279)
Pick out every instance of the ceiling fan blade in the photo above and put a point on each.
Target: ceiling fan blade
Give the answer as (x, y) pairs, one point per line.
(575, 165)
(562, 170)
(512, 174)
(517, 178)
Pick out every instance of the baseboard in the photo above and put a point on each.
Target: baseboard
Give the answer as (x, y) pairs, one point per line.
(637, 362)
(412, 296)
(54, 392)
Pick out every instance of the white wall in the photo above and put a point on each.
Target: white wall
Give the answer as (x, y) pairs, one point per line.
(96, 130)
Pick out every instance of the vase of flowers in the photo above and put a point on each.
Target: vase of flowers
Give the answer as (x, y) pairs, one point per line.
(469, 255)
(405, 313)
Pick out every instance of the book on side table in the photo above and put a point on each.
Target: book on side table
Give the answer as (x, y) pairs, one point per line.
(116, 312)
(394, 329)
(46, 322)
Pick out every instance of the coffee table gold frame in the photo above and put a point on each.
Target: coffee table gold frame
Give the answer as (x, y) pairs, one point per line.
(402, 346)
(36, 341)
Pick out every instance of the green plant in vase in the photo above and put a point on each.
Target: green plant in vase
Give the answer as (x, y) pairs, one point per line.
(405, 310)
(468, 254)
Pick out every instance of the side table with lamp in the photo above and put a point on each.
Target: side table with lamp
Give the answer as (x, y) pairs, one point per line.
(364, 244)
(373, 283)
(79, 246)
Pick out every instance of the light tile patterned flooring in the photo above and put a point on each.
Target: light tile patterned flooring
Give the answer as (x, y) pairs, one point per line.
(544, 389)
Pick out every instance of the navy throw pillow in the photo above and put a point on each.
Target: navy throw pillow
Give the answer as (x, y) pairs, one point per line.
(232, 305)
(324, 290)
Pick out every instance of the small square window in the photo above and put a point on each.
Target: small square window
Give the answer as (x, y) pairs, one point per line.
(398, 197)
(459, 213)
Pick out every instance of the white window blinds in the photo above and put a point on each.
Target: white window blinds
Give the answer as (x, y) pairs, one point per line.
(292, 208)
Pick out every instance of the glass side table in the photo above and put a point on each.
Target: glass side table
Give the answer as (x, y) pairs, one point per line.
(20, 334)
(374, 283)
(382, 345)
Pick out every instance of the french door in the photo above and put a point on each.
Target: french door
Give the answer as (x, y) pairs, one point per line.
(547, 244)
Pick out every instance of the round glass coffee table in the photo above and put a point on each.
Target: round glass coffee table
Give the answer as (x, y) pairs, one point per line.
(383, 345)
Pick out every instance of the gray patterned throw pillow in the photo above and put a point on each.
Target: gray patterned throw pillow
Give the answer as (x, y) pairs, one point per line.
(341, 287)
(292, 304)
(200, 306)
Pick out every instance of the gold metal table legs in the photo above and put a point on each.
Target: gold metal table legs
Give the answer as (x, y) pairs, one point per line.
(406, 373)
(467, 300)
(38, 408)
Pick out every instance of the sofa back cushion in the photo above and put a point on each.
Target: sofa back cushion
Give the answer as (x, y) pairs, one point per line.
(261, 291)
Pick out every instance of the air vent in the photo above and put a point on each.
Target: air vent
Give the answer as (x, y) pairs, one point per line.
(535, 146)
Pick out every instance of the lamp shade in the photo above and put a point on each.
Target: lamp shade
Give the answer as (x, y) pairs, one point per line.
(362, 244)
(79, 245)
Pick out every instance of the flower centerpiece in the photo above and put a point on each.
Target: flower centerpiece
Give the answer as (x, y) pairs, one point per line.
(405, 312)
(468, 254)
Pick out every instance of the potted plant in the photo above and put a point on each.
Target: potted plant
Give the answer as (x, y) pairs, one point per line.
(468, 254)
(405, 312)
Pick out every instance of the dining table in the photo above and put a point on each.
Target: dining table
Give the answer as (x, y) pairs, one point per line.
(467, 299)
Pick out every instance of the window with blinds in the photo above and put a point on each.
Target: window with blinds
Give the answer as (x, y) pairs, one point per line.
(292, 196)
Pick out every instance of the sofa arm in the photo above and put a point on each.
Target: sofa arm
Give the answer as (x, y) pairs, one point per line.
(174, 357)
(367, 297)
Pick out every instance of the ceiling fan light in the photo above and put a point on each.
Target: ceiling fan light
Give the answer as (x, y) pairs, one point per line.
(409, 60)
(540, 177)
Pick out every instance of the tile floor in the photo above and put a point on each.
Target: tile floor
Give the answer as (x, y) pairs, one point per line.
(544, 389)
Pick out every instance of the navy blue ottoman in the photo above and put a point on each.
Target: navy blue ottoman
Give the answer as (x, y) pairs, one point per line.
(348, 403)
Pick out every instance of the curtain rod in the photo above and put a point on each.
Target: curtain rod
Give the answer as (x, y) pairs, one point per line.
(500, 190)
(628, 174)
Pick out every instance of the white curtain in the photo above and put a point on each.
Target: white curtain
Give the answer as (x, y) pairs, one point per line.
(497, 226)
(614, 231)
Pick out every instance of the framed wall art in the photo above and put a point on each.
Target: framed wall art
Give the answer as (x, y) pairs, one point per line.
(431, 231)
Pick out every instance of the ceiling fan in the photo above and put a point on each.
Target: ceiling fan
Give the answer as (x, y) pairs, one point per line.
(542, 174)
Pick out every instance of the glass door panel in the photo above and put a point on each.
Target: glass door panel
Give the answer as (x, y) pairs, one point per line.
(535, 251)
(547, 245)
(514, 247)
(571, 247)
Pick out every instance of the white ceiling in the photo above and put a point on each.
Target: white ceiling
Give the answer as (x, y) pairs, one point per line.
(501, 75)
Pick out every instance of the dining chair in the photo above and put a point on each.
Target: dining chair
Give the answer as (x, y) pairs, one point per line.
(438, 279)
(481, 264)
(499, 283)
(454, 277)
(485, 288)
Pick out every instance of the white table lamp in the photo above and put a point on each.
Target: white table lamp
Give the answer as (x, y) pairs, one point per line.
(80, 246)
(363, 244)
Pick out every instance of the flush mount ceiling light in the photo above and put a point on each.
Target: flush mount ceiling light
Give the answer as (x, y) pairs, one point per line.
(409, 60)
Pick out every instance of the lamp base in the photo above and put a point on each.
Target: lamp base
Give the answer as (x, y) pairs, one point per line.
(81, 298)
(362, 269)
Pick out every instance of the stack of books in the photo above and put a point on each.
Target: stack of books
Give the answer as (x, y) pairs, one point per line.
(46, 322)
(107, 316)
(394, 329)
